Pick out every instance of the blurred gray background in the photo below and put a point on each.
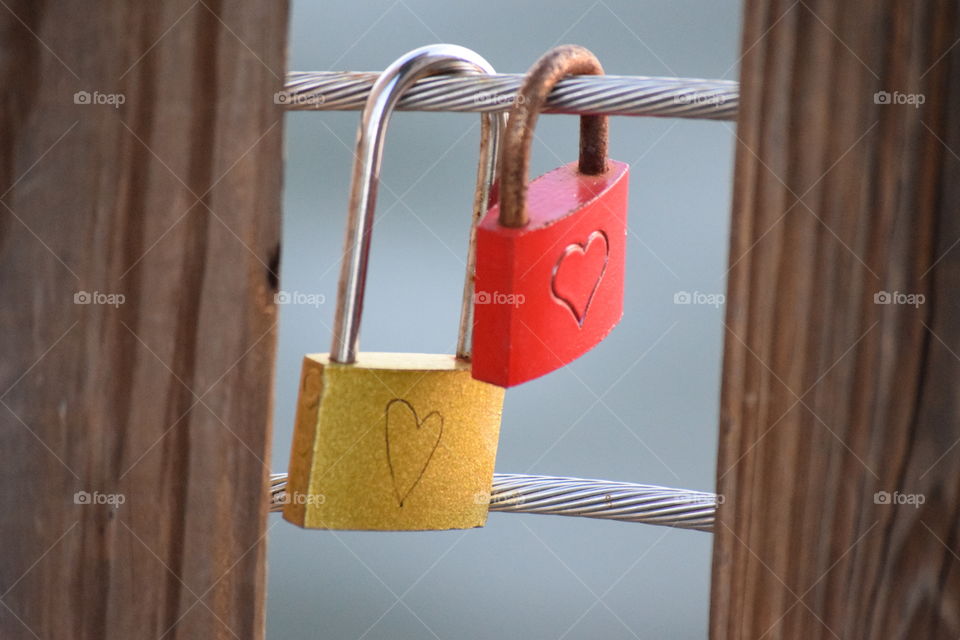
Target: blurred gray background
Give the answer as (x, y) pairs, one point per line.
(641, 407)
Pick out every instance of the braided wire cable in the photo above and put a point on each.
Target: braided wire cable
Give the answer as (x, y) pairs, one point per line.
(578, 497)
(601, 95)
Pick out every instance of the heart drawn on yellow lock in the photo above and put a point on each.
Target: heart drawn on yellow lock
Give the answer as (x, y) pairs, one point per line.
(410, 444)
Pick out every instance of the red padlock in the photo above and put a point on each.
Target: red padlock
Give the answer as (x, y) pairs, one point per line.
(550, 255)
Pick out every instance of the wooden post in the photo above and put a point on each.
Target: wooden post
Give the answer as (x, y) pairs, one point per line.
(140, 172)
(840, 414)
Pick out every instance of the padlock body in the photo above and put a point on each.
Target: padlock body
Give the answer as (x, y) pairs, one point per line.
(393, 442)
(548, 292)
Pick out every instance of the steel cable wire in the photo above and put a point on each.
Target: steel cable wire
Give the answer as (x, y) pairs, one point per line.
(578, 497)
(609, 95)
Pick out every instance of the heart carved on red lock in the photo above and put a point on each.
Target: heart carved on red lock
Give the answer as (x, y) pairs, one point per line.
(572, 284)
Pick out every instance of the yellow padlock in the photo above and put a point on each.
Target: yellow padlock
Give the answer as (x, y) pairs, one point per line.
(394, 441)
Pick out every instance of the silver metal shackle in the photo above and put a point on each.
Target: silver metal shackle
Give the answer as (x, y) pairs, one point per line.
(386, 93)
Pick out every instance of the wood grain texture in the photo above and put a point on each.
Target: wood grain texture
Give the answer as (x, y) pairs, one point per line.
(172, 201)
(830, 395)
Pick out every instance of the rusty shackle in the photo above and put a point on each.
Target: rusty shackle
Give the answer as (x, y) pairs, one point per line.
(554, 65)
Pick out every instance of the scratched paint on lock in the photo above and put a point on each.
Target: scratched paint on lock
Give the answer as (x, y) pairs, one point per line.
(395, 441)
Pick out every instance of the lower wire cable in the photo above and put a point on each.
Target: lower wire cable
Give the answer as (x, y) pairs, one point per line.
(578, 497)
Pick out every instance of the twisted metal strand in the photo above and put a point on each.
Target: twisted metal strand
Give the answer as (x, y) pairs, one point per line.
(599, 95)
(644, 503)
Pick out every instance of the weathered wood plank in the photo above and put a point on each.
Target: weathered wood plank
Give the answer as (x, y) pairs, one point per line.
(829, 394)
(171, 200)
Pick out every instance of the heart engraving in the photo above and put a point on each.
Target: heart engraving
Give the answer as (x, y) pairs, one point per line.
(573, 283)
(411, 443)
